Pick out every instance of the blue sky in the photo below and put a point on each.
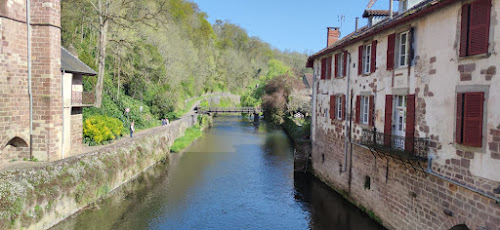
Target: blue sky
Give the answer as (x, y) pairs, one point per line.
(296, 25)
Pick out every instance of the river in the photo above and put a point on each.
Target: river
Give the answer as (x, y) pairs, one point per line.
(237, 176)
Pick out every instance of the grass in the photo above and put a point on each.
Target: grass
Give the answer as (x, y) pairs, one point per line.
(183, 142)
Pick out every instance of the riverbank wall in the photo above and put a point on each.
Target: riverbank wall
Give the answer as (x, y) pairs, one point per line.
(43, 195)
(301, 143)
(398, 192)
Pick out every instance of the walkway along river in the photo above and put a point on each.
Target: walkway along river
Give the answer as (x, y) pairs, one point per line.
(237, 176)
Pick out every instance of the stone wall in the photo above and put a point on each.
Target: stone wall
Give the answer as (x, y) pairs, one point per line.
(76, 134)
(401, 196)
(42, 196)
(46, 75)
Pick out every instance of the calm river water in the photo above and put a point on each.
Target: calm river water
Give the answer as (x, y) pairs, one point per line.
(236, 176)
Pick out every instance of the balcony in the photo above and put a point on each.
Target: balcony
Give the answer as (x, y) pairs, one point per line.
(82, 99)
(414, 148)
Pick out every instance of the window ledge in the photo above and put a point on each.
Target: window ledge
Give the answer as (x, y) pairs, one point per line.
(474, 57)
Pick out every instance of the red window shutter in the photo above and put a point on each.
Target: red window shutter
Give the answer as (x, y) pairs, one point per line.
(459, 127)
(370, 111)
(343, 107)
(473, 119)
(329, 68)
(373, 58)
(360, 60)
(391, 42)
(388, 121)
(479, 27)
(334, 102)
(344, 73)
(336, 65)
(410, 123)
(358, 109)
(464, 30)
(332, 106)
(323, 68)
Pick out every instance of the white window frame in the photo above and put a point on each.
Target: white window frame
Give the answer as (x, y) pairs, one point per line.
(365, 109)
(367, 51)
(403, 52)
(340, 65)
(338, 107)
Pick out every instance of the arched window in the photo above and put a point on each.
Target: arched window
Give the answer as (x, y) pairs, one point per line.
(17, 142)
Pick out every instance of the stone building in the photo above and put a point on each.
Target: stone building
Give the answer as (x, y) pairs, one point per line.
(406, 121)
(44, 138)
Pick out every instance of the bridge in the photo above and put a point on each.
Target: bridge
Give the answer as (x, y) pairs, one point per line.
(248, 110)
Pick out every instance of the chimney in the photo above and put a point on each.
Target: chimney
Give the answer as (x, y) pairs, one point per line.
(390, 9)
(333, 35)
(356, 29)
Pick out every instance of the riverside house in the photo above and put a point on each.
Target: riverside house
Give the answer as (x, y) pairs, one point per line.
(406, 120)
(43, 121)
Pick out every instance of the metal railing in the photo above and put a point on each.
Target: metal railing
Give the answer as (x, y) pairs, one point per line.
(228, 110)
(415, 148)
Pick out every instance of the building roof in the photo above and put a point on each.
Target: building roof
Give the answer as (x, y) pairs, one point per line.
(419, 10)
(369, 13)
(308, 80)
(71, 64)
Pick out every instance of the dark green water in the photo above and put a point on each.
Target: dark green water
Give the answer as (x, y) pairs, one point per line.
(236, 176)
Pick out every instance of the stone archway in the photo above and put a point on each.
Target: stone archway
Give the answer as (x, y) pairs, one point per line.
(15, 149)
(460, 227)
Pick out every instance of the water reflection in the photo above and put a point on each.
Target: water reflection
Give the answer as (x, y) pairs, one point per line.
(236, 176)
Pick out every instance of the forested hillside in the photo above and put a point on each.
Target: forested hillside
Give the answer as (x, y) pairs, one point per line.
(159, 53)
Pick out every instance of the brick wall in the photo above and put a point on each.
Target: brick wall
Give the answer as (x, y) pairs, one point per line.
(14, 100)
(403, 197)
(46, 76)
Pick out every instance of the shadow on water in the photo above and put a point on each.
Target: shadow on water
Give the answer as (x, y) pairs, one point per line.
(237, 176)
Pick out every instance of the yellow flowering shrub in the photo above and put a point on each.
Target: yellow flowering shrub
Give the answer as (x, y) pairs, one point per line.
(101, 129)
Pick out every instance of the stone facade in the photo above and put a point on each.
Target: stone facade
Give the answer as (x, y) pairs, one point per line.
(402, 192)
(47, 142)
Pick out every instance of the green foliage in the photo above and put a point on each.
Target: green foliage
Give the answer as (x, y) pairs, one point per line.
(100, 129)
(190, 135)
(205, 121)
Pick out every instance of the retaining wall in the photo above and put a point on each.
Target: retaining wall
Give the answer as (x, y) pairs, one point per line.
(44, 195)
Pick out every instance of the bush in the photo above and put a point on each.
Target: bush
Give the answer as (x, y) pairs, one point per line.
(101, 129)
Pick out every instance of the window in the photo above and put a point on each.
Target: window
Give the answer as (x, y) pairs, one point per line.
(339, 107)
(475, 28)
(403, 49)
(469, 119)
(365, 105)
(366, 59)
(340, 65)
(403, 5)
(323, 69)
(399, 126)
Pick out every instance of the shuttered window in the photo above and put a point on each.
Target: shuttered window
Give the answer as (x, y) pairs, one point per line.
(367, 55)
(410, 124)
(332, 107)
(344, 64)
(388, 121)
(323, 68)
(358, 109)
(370, 111)
(336, 65)
(373, 63)
(469, 119)
(475, 28)
(391, 42)
(329, 68)
(360, 60)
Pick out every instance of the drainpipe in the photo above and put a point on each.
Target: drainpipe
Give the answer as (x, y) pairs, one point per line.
(30, 93)
(313, 107)
(347, 114)
(63, 128)
(429, 171)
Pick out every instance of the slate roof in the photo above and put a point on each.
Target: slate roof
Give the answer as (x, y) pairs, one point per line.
(369, 13)
(423, 8)
(71, 64)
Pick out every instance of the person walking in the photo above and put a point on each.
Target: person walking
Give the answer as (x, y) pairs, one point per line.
(132, 128)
